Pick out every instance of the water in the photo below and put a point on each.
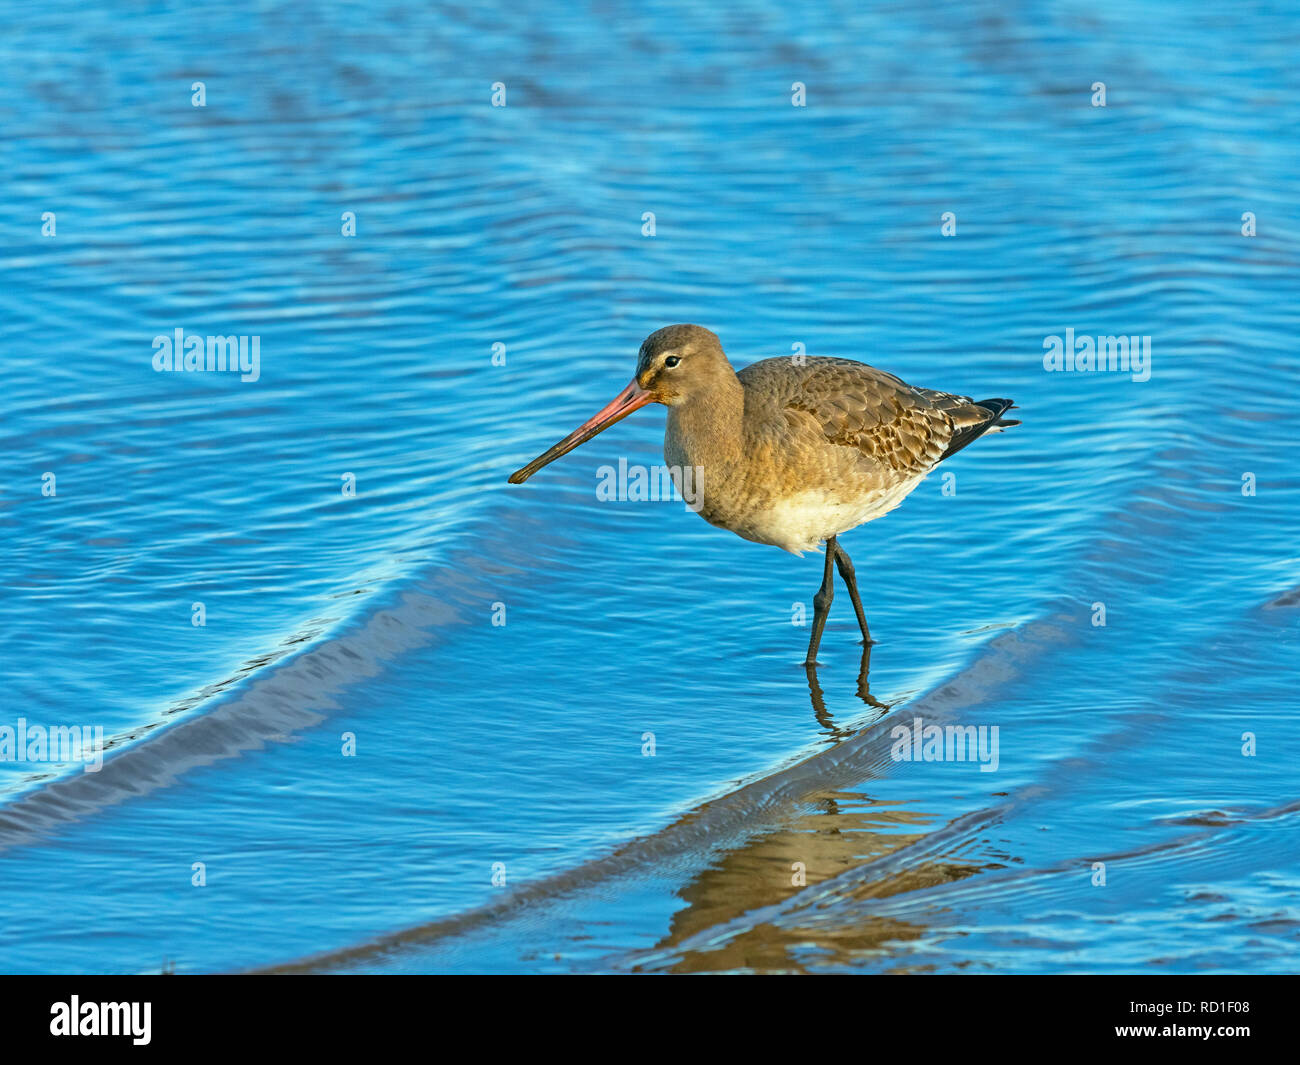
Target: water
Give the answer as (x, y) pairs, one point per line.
(516, 750)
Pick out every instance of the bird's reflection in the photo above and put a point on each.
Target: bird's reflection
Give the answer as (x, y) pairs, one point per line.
(823, 716)
(828, 829)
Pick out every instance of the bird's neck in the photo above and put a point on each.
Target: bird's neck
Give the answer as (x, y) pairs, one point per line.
(707, 430)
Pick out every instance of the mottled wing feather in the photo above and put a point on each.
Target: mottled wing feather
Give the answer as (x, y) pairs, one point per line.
(903, 429)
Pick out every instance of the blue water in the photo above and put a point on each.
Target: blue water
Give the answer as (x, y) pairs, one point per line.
(498, 812)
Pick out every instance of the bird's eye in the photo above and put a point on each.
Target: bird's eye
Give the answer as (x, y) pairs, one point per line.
(671, 361)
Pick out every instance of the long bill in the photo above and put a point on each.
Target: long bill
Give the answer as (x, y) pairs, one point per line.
(628, 400)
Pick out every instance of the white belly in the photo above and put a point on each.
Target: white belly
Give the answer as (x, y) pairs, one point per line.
(800, 522)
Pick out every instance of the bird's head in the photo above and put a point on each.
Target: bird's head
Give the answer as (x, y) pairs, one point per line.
(679, 362)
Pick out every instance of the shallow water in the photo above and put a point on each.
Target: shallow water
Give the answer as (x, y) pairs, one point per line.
(515, 752)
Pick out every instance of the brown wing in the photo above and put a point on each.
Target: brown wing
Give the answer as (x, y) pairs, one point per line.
(904, 429)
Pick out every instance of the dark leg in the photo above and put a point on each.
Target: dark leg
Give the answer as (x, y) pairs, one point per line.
(851, 582)
(822, 602)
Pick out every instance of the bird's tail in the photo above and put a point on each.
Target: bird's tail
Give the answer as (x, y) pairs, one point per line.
(976, 418)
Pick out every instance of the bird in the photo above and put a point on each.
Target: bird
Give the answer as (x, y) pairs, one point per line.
(793, 451)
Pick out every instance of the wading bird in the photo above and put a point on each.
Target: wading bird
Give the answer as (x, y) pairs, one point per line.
(794, 450)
